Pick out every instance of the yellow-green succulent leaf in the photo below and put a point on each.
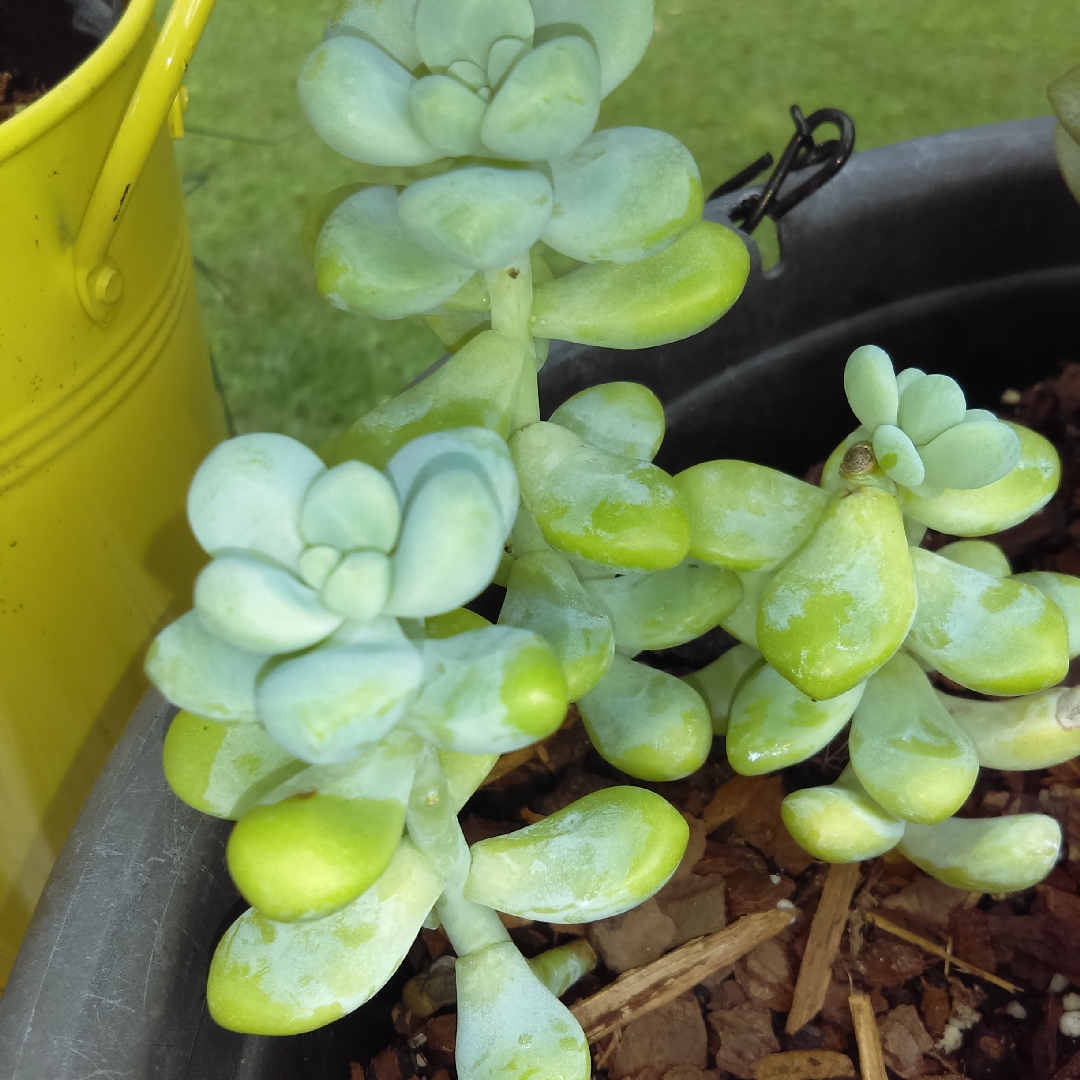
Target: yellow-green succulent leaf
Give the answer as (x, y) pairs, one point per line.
(510, 1026)
(647, 723)
(489, 691)
(993, 635)
(458, 621)
(978, 555)
(1064, 96)
(597, 857)
(1030, 732)
(830, 474)
(742, 622)
(668, 296)
(843, 603)
(1023, 491)
(1067, 151)
(668, 607)
(719, 682)
(544, 595)
(745, 516)
(1064, 590)
(995, 855)
(773, 724)
(464, 774)
(273, 978)
(559, 968)
(622, 418)
(473, 388)
(912, 758)
(223, 768)
(598, 506)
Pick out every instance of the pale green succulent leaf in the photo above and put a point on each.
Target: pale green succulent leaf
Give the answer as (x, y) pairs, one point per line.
(719, 682)
(898, 457)
(1064, 96)
(358, 586)
(972, 454)
(352, 505)
(742, 622)
(870, 385)
(979, 555)
(1067, 152)
(930, 405)
(447, 114)
(1064, 590)
(452, 30)
(622, 418)
(388, 23)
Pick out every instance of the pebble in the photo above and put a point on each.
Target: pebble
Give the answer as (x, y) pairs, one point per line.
(952, 1040)
(1058, 983)
(1069, 1025)
(1071, 1002)
(1016, 1010)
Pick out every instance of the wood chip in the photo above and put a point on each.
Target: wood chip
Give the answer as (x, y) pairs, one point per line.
(646, 988)
(936, 950)
(823, 944)
(1070, 1070)
(871, 1062)
(804, 1065)
(729, 799)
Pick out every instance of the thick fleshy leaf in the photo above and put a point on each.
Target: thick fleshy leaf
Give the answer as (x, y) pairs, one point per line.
(352, 505)
(321, 838)
(359, 585)
(971, 455)
(198, 671)
(930, 405)
(870, 386)
(510, 1026)
(597, 857)
(908, 376)
(477, 447)
(842, 605)
(367, 262)
(451, 30)
(473, 388)
(909, 754)
(1030, 732)
(720, 681)
(1064, 96)
(1026, 489)
(745, 516)
(271, 978)
(830, 474)
(669, 296)
(464, 774)
(547, 104)
(840, 823)
(623, 194)
(667, 608)
(479, 217)
(773, 724)
(742, 622)
(318, 563)
(622, 418)
(447, 114)
(898, 457)
(389, 23)
(488, 691)
(325, 705)
(559, 968)
(647, 723)
(256, 605)
(450, 545)
(458, 621)
(995, 855)
(223, 768)
(247, 494)
(620, 29)
(993, 635)
(357, 99)
(1067, 152)
(502, 56)
(979, 555)
(598, 506)
(545, 595)
(1064, 590)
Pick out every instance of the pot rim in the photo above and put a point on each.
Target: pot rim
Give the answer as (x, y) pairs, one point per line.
(71, 92)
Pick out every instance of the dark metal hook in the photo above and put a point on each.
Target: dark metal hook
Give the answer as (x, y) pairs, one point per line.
(800, 153)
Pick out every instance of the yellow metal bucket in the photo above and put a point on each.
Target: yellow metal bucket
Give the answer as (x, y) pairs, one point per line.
(107, 405)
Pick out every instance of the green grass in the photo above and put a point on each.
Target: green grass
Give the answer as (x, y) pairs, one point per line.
(720, 75)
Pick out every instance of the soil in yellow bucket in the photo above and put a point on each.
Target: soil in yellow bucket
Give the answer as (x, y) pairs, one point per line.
(101, 427)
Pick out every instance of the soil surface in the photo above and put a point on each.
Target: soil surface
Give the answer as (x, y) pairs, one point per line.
(39, 46)
(931, 1018)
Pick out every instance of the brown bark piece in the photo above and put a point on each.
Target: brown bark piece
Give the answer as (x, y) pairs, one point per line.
(729, 799)
(764, 975)
(936, 1009)
(1070, 1070)
(891, 963)
(671, 1035)
(441, 1035)
(826, 930)
(927, 901)
(970, 931)
(637, 992)
(871, 1062)
(695, 848)
(760, 825)
(356, 1071)
(386, 1066)
(695, 904)
(904, 1041)
(746, 1036)
(750, 891)
(1044, 1045)
(804, 1065)
(633, 939)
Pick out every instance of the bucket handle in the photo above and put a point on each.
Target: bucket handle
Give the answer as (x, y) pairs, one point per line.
(98, 280)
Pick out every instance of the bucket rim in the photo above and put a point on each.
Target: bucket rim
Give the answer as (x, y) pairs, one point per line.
(71, 92)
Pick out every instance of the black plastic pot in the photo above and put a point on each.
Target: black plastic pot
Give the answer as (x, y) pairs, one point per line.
(958, 253)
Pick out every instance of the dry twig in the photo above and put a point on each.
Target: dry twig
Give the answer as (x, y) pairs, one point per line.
(804, 1065)
(867, 1037)
(936, 950)
(646, 988)
(822, 945)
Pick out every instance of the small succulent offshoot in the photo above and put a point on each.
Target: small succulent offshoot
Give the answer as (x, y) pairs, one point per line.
(844, 615)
